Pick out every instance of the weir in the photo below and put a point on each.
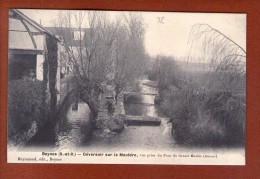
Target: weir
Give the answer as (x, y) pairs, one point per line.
(140, 107)
(142, 120)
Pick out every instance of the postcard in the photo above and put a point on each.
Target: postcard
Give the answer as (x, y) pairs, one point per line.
(126, 87)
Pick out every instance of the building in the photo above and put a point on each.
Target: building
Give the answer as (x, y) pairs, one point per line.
(30, 47)
(73, 38)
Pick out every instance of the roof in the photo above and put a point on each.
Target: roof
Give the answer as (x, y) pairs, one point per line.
(25, 34)
(33, 23)
(68, 35)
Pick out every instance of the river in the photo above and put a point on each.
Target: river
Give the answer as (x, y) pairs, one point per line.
(73, 133)
(139, 137)
(74, 130)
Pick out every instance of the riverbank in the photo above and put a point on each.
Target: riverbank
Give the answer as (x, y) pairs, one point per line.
(204, 118)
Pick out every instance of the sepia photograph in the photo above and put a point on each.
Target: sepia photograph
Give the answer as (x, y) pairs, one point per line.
(126, 87)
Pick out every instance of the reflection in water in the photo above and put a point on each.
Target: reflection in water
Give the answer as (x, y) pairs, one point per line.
(69, 133)
(142, 105)
(140, 110)
(139, 137)
(75, 130)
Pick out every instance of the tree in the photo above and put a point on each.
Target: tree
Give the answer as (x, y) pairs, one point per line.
(92, 54)
(227, 59)
(166, 71)
(108, 48)
(130, 54)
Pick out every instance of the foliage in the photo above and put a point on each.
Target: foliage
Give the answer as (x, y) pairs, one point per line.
(203, 105)
(24, 105)
(130, 52)
(166, 71)
(225, 58)
(212, 119)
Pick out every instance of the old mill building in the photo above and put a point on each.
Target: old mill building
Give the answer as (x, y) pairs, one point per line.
(33, 53)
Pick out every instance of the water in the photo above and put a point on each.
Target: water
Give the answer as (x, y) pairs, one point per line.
(74, 130)
(142, 105)
(73, 133)
(69, 133)
(139, 137)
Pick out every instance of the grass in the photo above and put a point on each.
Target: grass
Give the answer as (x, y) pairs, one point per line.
(204, 119)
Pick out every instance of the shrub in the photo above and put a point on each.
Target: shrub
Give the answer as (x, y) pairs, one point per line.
(209, 108)
(206, 108)
(25, 99)
(204, 119)
(228, 112)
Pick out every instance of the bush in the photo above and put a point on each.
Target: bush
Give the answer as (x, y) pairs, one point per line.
(25, 105)
(204, 119)
(229, 113)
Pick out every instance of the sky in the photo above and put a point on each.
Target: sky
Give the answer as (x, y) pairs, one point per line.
(167, 33)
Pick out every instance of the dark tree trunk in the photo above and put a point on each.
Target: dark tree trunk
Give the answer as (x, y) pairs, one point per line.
(52, 59)
(116, 96)
(92, 100)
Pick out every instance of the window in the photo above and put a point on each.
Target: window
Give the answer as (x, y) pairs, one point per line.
(22, 66)
(78, 35)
